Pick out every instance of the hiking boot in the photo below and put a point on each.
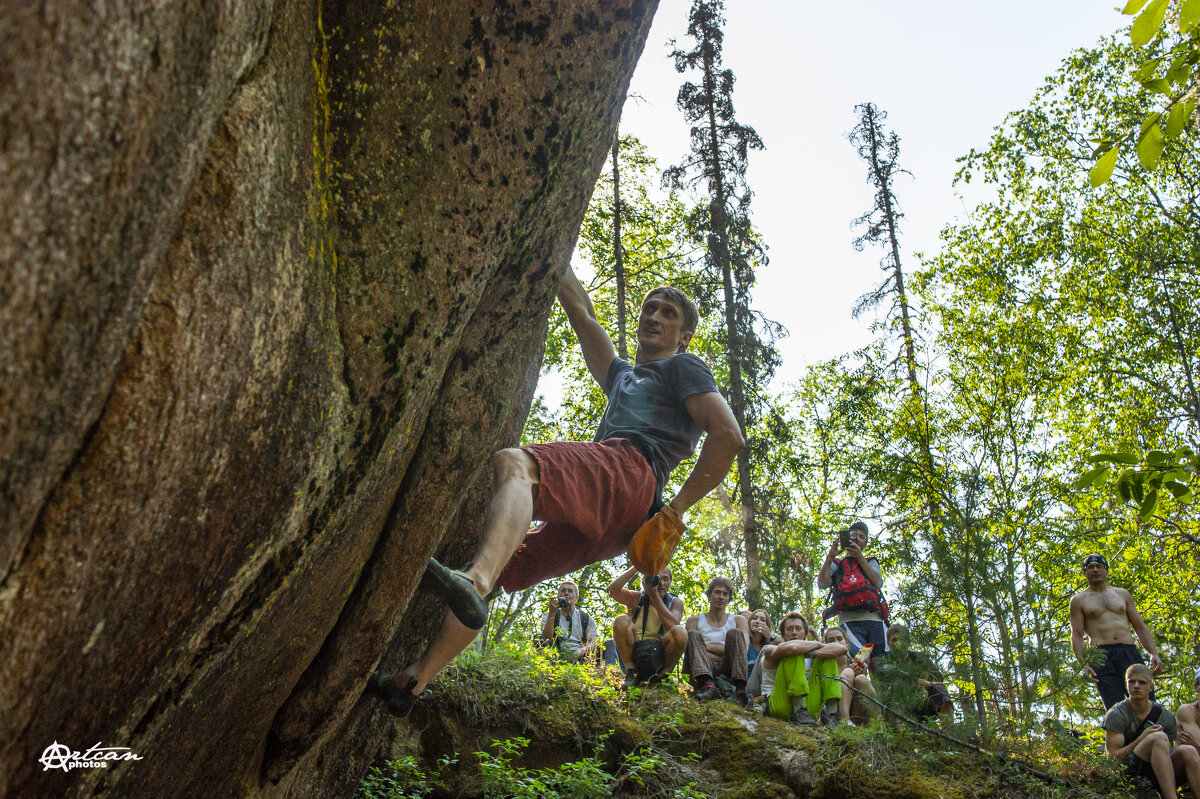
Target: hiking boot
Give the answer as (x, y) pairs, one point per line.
(801, 716)
(707, 693)
(457, 590)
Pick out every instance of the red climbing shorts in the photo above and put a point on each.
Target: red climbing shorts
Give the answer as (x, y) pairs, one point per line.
(590, 500)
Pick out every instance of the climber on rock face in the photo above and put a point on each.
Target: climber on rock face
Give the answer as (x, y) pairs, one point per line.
(593, 500)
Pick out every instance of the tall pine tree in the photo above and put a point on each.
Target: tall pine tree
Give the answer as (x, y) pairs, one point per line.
(717, 168)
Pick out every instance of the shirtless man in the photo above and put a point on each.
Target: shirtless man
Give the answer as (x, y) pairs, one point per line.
(1188, 717)
(1106, 614)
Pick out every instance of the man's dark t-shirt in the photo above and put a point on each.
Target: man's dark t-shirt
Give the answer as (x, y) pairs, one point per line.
(645, 405)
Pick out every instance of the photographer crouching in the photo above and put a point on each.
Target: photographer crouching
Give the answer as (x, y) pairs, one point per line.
(648, 636)
(571, 631)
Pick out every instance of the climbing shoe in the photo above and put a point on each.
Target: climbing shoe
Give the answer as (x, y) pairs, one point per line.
(707, 693)
(631, 679)
(740, 697)
(457, 590)
(399, 700)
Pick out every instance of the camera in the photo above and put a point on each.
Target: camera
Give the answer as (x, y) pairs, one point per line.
(651, 581)
(562, 603)
(846, 537)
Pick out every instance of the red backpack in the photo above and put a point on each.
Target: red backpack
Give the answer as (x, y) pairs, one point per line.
(854, 592)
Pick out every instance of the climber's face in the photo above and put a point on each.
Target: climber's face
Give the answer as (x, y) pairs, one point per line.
(660, 332)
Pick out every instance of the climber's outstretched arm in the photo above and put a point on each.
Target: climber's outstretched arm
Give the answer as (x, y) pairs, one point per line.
(723, 438)
(598, 351)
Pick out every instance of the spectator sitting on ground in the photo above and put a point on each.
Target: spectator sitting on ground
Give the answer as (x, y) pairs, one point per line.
(901, 668)
(648, 636)
(571, 631)
(853, 675)
(1140, 733)
(1188, 719)
(716, 645)
(784, 681)
(761, 634)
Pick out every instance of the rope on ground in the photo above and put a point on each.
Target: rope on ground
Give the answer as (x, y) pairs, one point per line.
(1019, 765)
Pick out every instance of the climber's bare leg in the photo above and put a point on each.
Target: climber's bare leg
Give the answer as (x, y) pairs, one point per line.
(508, 518)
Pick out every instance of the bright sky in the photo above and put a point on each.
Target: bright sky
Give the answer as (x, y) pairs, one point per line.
(945, 72)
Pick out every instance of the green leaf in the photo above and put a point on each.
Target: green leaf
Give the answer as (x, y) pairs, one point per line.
(1149, 505)
(1090, 478)
(1146, 70)
(1175, 120)
(1177, 489)
(1127, 458)
(1135, 486)
(1156, 457)
(1189, 15)
(1159, 85)
(1150, 148)
(1133, 6)
(1148, 22)
(1123, 489)
(1102, 171)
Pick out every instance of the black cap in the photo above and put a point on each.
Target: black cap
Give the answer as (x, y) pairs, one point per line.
(1095, 557)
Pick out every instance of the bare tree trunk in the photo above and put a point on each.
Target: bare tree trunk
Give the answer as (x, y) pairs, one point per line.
(735, 350)
(618, 250)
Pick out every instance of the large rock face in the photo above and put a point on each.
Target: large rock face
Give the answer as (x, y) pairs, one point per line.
(274, 284)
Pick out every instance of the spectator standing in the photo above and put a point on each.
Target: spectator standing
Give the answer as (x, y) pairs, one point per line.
(858, 600)
(1105, 614)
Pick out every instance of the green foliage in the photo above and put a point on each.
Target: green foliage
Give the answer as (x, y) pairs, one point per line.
(1169, 70)
(1160, 475)
(502, 779)
(403, 779)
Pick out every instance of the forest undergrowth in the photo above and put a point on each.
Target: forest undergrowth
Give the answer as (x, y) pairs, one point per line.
(511, 722)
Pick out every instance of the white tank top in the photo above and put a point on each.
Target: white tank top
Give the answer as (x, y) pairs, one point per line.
(715, 635)
(768, 678)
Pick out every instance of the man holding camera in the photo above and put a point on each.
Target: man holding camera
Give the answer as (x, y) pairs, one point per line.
(648, 636)
(857, 599)
(568, 628)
